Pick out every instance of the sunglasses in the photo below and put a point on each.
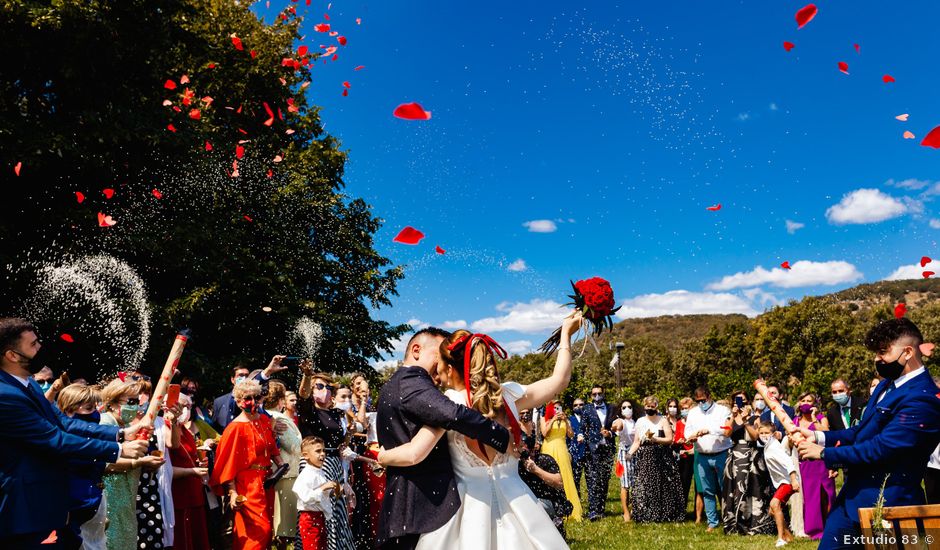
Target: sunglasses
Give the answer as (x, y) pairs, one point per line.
(700, 401)
(325, 387)
(139, 377)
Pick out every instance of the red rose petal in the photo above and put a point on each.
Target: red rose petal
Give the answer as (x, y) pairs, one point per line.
(195, 114)
(108, 193)
(248, 218)
(887, 78)
(411, 111)
(900, 310)
(857, 48)
(156, 193)
(805, 15)
(67, 337)
(345, 92)
(322, 27)
(439, 250)
(80, 197)
(253, 54)
(359, 68)
(408, 235)
(341, 40)
(785, 265)
(302, 50)
(169, 85)
(927, 274)
(184, 79)
(104, 220)
(788, 45)
(237, 42)
(171, 128)
(239, 151)
(208, 146)
(17, 167)
(844, 67)
(932, 139)
(909, 134)
(358, 20)
(211, 65)
(346, 84)
(714, 208)
(924, 260)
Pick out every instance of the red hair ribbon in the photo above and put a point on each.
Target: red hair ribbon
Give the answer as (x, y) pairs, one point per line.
(471, 339)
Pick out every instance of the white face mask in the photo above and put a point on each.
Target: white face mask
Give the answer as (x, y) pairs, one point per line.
(344, 405)
(759, 404)
(673, 411)
(627, 412)
(184, 415)
(765, 438)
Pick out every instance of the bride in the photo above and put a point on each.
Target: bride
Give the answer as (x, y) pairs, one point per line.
(498, 511)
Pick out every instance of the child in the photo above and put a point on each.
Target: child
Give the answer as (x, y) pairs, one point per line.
(782, 475)
(313, 495)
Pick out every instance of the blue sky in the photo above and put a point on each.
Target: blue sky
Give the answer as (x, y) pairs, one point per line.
(616, 125)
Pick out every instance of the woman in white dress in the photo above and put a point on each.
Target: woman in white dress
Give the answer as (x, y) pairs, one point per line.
(498, 510)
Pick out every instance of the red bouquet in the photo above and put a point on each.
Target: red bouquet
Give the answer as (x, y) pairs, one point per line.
(595, 299)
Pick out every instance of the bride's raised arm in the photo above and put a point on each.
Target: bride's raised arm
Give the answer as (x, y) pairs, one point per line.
(414, 451)
(538, 393)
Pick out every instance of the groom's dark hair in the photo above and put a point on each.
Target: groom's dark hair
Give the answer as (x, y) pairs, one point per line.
(430, 331)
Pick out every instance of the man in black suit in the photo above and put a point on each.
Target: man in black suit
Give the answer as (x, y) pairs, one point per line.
(844, 411)
(224, 409)
(423, 497)
(597, 419)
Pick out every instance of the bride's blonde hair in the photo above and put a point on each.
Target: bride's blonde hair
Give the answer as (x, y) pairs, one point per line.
(486, 394)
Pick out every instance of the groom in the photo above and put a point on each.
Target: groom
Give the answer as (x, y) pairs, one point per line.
(423, 497)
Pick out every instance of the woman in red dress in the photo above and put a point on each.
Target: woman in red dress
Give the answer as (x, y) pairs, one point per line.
(243, 460)
(189, 500)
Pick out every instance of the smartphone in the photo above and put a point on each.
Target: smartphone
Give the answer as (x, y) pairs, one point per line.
(738, 401)
(290, 361)
(172, 395)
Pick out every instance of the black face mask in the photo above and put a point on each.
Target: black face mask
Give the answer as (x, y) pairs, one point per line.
(94, 417)
(188, 391)
(651, 412)
(33, 364)
(891, 370)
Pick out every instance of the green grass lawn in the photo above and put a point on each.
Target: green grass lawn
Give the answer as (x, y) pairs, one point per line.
(612, 533)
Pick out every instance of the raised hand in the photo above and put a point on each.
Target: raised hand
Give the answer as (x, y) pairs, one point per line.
(571, 323)
(274, 366)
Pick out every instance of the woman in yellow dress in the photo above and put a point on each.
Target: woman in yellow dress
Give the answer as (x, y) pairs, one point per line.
(554, 445)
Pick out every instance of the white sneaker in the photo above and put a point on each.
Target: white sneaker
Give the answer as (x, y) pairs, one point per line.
(780, 542)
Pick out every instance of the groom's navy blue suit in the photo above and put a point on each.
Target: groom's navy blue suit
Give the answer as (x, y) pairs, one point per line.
(421, 498)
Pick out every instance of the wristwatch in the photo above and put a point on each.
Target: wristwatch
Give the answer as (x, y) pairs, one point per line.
(822, 454)
(120, 436)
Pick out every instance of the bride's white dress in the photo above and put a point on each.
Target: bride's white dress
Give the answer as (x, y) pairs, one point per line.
(497, 511)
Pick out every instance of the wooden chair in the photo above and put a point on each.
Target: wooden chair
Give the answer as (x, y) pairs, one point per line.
(910, 527)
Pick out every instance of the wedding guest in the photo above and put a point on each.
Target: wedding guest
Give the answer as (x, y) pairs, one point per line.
(319, 418)
(599, 456)
(224, 408)
(577, 444)
(555, 430)
(44, 378)
(768, 416)
(190, 386)
(932, 475)
(243, 460)
(657, 491)
(672, 413)
(375, 480)
(782, 476)
(285, 501)
(624, 428)
(747, 490)
(313, 491)
(540, 472)
(37, 439)
(290, 406)
(189, 499)
(705, 428)
(155, 513)
(845, 410)
(122, 478)
(686, 452)
(819, 487)
(85, 483)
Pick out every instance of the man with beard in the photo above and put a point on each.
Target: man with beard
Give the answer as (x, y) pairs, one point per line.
(37, 441)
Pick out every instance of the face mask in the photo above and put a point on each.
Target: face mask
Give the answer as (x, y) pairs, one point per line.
(684, 413)
(764, 439)
(92, 417)
(576, 409)
(651, 412)
(840, 398)
(184, 416)
(128, 413)
(240, 379)
(627, 412)
(322, 397)
(705, 406)
(188, 391)
(805, 408)
(344, 406)
(891, 370)
(759, 404)
(44, 386)
(249, 407)
(33, 364)
(673, 411)
(598, 398)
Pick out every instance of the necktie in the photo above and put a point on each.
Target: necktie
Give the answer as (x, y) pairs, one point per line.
(846, 414)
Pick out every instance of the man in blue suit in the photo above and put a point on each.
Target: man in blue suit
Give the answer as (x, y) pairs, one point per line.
(892, 442)
(36, 440)
(577, 445)
(224, 409)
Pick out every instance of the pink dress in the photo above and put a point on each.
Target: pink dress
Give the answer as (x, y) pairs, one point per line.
(818, 490)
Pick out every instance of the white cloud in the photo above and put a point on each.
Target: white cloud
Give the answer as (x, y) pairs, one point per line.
(761, 297)
(793, 227)
(417, 324)
(454, 325)
(935, 223)
(540, 226)
(529, 317)
(913, 271)
(684, 302)
(382, 365)
(518, 265)
(802, 273)
(518, 347)
(870, 206)
(743, 117)
(910, 183)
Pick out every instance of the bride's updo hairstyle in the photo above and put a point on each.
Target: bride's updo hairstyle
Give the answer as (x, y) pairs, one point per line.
(485, 390)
